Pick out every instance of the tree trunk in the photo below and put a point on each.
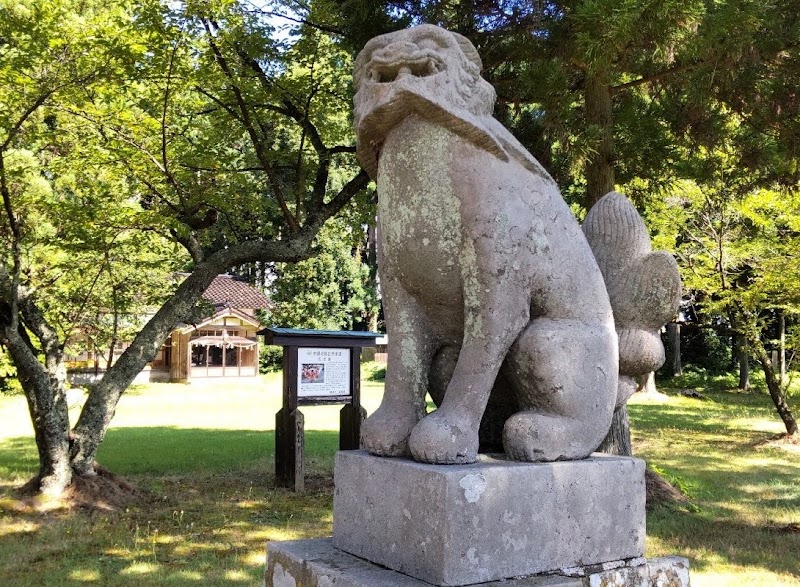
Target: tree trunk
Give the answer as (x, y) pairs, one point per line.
(674, 366)
(782, 346)
(646, 383)
(618, 439)
(599, 181)
(599, 119)
(743, 358)
(47, 404)
(740, 354)
(98, 411)
(113, 344)
(115, 313)
(372, 265)
(776, 391)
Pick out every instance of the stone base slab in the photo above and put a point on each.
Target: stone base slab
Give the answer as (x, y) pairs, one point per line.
(458, 525)
(316, 563)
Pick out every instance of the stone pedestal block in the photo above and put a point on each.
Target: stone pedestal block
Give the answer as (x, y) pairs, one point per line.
(316, 563)
(463, 524)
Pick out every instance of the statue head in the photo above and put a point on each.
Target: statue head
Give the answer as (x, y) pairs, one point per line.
(424, 70)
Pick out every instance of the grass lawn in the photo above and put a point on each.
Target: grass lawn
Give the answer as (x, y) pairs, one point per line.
(205, 452)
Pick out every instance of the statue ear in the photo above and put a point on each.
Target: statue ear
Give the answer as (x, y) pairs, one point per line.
(469, 50)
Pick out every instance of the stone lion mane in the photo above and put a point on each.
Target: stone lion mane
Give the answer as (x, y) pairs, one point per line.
(463, 104)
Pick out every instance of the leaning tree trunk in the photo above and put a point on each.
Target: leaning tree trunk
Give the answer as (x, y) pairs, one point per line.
(774, 387)
(100, 405)
(99, 408)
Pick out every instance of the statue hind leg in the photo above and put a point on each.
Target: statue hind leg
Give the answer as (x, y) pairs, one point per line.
(564, 373)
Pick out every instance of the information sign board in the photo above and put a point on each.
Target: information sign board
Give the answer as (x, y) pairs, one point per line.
(320, 367)
(323, 372)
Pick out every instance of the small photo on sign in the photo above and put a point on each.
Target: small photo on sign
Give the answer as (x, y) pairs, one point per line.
(312, 373)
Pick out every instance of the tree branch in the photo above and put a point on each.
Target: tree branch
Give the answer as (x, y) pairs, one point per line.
(646, 79)
(304, 21)
(164, 158)
(316, 218)
(258, 144)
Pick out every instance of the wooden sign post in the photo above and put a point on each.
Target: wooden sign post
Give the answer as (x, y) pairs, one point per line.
(320, 367)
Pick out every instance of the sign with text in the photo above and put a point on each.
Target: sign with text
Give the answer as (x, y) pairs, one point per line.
(323, 372)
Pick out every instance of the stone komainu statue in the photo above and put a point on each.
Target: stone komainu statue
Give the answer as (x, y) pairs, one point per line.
(496, 302)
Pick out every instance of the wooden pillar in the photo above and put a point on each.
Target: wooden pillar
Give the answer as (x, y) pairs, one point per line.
(186, 345)
(351, 415)
(289, 429)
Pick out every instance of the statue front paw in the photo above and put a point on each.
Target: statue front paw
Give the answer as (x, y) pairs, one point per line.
(385, 433)
(445, 439)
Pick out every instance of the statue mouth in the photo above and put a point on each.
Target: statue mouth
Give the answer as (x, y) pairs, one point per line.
(385, 71)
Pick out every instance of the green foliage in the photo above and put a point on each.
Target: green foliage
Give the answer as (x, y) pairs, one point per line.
(74, 233)
(9, 385)
(330, 291)
(270, 359)
(702, 380)
(707, 349)
(373, 371)
(137, 140)
(737, 249)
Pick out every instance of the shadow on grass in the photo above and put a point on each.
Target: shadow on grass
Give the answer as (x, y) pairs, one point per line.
(696, 535)
(713, 414)
(171, 450)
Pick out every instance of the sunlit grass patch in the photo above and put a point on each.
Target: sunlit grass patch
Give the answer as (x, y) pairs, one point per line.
(234, 575)
(85, 575)
(9, 526)
(139, 568)
(744, 492)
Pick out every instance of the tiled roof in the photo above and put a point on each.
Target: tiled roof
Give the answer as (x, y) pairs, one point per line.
(228, 290)
(226, 311)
